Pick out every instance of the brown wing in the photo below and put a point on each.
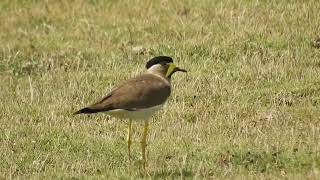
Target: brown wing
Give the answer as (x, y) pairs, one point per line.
(144, 91)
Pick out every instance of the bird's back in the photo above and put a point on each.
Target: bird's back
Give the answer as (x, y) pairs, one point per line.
(142, 92)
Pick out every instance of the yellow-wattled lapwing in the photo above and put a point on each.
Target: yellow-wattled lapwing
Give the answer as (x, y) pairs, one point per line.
(139, 97)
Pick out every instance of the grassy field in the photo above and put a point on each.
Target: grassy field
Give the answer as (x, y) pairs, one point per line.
(249, 108)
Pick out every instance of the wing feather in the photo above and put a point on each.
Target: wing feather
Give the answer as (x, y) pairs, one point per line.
(144, 91)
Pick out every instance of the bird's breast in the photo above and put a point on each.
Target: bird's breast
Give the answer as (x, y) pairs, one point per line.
(138, 114)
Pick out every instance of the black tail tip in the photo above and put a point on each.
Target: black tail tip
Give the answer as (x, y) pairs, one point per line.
(84, 111)
(78, 112)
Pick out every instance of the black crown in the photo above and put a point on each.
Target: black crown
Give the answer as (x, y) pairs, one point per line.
(158, 60)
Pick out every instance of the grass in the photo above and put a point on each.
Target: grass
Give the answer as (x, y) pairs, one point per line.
(248, 108)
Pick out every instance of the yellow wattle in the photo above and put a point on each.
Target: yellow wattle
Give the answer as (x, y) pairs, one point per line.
(170, 69)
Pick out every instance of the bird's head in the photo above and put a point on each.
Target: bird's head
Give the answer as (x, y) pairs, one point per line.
(163, 65)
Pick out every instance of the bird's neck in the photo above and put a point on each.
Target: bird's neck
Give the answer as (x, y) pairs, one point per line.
(160, 75)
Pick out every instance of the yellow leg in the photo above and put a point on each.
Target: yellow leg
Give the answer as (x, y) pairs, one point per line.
(129, 139)
(144, 143)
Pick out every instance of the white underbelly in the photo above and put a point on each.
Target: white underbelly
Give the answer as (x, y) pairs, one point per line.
(141, 114)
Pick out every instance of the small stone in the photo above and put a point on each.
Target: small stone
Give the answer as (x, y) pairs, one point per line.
(139, 50)
(316, 42)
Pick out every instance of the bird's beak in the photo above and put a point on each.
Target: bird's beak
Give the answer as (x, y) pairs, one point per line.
(172, 69)
(179, 69)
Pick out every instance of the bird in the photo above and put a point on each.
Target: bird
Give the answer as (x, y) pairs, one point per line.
(139, 98)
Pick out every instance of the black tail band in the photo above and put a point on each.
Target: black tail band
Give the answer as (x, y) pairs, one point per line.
(86, 111)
